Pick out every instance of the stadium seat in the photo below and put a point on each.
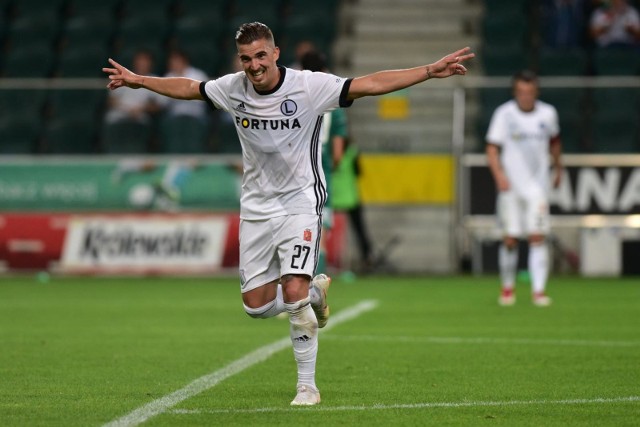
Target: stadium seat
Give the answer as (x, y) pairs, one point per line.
(27, 32)
(614, 100)
(86, 32)
(70, 136)
(571, 104)
(615, 132)
(506, 7)
(37, 61)
(563, 62)
(227, 141)
(206, 56)
(85, 104)
(36, 8)
(104, 9)
(504, 31)
(616, 62)
(323, 13)
(156, 10)
(125, 137)
(206, 9)
(503, 61)
(19, 133)
(269, 13)
(29, 102)
(82, 61)
(143, 31)
(183, 134)
(573, 128)
(198, 29)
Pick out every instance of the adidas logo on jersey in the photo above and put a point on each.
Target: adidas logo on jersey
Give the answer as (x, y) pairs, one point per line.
(241, 107)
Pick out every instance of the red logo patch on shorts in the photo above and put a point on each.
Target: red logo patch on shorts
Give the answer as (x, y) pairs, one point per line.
(307, 235)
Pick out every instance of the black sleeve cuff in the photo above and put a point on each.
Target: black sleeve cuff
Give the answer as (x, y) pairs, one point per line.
(344, 102)
(204, 95)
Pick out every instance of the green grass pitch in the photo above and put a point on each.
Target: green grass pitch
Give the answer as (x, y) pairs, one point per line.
(434, 351)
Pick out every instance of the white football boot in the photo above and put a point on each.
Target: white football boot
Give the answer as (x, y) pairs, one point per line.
(306, 396)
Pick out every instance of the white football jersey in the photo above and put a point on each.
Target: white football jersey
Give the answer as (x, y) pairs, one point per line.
(524, 140)
(279, 132)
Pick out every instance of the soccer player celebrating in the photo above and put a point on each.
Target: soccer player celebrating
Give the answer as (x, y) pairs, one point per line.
(278, 115)
(521, 134)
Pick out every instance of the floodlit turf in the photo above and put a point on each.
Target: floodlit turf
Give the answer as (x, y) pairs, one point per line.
(434, 351)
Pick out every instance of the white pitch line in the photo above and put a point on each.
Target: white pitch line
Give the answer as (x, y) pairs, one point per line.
(463, 404)
(480, 340)
(208, 381)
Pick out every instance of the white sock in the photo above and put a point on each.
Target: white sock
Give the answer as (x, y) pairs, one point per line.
(538, 266)
(508, 264)
(304, 336)
(270, 309)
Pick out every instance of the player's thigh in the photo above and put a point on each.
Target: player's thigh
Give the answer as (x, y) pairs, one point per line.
(298, 244)
(537, 218)
(258, 254)
(510, 213)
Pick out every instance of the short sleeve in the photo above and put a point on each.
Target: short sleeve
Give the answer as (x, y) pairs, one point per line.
(216, 92)
(326, 90)
(496, 134)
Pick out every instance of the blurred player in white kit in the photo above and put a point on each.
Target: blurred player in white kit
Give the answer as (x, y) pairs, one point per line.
(523, 135)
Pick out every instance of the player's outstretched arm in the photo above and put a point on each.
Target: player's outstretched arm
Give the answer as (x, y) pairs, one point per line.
(391, 80)
(174, 87)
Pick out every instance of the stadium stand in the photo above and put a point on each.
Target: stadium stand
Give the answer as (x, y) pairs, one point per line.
(515, 36)
(19, 133)
(73, 38)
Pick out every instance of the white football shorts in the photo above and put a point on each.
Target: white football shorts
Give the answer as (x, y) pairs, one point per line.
(273, 247)
(520, 217)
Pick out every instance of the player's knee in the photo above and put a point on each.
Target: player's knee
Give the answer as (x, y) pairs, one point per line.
(295, 287)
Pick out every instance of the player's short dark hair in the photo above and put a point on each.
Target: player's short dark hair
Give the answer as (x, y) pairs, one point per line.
(527, 76)
(252, 31)
(313, 61)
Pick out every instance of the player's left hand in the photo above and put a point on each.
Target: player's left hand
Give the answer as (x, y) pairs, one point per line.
(121, 76)
(451, 64)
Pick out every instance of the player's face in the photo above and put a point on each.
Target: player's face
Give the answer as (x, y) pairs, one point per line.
(525, 94)
(259, 63)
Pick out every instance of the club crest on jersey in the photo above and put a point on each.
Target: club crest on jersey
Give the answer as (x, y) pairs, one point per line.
(288, 107)
(307, 235)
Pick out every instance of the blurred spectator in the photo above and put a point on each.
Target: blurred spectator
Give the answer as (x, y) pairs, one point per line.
(616, 24)
(178, 65)
(563, 22)
(346, 198)
(131, 104)
(302, 48)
